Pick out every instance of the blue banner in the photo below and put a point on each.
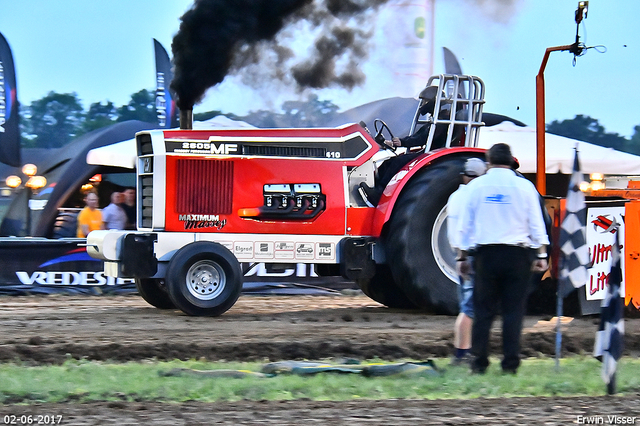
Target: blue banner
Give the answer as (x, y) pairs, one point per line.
(9, 125)
(165, 99)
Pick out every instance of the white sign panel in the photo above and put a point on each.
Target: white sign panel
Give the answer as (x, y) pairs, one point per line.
(406, 32)
(600, 240)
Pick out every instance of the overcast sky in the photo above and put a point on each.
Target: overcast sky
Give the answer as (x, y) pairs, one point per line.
(104, 51)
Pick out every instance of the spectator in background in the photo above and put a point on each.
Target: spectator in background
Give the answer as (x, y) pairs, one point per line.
(113, 216)
(129, 206)
(89, 218)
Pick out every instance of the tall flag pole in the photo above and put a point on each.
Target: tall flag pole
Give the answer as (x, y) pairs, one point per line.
(609, 338)
(9, 119)
(165, 98)
(574, 252)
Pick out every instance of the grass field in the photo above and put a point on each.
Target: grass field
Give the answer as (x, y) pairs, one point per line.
(148, 381)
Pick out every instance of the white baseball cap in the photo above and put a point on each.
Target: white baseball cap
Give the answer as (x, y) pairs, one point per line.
(474, 167)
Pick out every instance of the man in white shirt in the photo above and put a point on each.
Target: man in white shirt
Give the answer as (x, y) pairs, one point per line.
(502, 223)
(113, 215)
(473, 168)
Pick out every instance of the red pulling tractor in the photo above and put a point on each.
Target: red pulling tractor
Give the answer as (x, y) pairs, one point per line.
(209, 200)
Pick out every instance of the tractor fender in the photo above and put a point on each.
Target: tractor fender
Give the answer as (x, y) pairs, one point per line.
(399, 181)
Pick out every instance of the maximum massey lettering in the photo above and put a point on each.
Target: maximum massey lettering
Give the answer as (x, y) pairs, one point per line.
(197, 221)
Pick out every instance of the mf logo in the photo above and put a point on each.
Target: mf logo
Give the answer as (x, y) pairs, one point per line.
(224, 148)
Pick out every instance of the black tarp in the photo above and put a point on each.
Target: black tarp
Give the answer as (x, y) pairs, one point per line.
(47, 266)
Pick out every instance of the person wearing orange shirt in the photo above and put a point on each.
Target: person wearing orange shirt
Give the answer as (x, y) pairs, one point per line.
(89, 218)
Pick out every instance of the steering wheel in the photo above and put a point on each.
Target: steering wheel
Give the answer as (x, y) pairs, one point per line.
(379, 137)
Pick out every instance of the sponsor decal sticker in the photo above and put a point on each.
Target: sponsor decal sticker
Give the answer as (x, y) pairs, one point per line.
(325, 250)
(304, 251)
(284, 250)
(243, 249)
(264, 250)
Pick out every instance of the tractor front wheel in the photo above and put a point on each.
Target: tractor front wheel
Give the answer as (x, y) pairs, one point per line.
(204, 279)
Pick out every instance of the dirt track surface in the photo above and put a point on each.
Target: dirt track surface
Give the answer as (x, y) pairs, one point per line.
(49, 329)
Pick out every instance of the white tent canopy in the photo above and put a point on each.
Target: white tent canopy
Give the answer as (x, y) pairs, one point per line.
(123, 154)
(559, 152)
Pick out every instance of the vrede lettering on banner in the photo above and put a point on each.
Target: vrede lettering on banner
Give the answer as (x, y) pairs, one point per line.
(161, 102)
(91, 278)
(3, 100)
(197, 221)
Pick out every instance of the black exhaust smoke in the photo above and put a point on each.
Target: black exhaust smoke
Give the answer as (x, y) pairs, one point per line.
(212, 31)
(219, 36)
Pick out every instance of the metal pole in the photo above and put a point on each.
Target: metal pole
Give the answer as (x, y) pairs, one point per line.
(558, 331)
(541, 177)
(541, 168)
(28, 213)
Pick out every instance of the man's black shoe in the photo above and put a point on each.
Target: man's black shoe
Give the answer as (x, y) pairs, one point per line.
(371, 196)
(477, 370)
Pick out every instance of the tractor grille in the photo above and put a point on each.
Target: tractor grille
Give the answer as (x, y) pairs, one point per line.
(204, 186)
(146, 186)
(284, 151)
(144, 144)
(145, 180)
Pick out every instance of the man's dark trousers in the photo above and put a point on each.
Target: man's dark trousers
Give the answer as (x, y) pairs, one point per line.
(501, 282)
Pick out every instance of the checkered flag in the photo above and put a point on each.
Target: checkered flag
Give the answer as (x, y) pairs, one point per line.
(574, 252)
(609, 338)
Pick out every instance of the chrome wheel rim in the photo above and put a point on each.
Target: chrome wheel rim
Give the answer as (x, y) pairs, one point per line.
(205, 280)
(443, 254)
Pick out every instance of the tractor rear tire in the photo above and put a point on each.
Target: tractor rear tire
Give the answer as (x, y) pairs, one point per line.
(154, 293)
(383, 289)
(418, 250)
(204, 279)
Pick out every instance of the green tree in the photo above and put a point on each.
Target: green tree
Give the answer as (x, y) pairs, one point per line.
(142, 106)
(100, 115)
(310, 113)
(207, 115)
(585, 128)
(633, 144)
(53, 121)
